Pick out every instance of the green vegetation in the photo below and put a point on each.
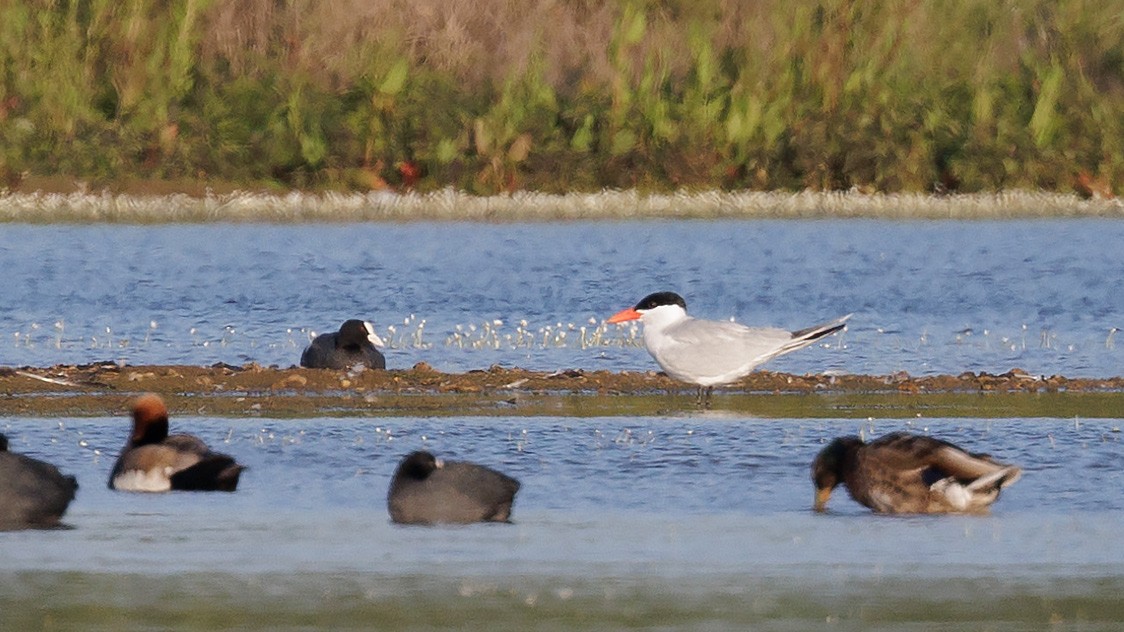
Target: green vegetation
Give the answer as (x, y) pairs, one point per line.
(490, 96)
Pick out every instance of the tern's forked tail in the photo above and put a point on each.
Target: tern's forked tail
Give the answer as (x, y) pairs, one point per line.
(813, 334)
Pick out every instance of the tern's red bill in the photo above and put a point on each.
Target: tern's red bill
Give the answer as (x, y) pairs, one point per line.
(624, 315)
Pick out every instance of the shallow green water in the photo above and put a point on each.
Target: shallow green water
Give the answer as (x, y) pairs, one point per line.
(320, 601)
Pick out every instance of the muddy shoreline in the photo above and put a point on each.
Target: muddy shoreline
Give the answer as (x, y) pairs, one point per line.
(105, 389)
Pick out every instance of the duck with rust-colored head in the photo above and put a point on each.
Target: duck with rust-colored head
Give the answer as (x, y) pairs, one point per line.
(155, 461)
(428, 490)
(907, 473)
(33, 493)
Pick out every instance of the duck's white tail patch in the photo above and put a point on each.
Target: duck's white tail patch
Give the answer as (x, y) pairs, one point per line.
(979, 493)
(956, 495)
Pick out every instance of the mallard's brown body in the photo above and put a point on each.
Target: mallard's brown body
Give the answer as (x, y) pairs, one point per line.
(906, 473)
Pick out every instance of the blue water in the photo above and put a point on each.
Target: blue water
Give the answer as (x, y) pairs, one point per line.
(703, 519)
(700, 521)
(928, 297)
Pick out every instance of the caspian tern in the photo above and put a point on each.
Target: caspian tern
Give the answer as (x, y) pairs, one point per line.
(709, 353)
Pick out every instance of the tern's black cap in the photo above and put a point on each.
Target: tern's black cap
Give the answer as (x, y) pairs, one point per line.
(659, 299)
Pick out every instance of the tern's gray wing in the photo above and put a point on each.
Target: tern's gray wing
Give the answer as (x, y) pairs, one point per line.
(711, 349)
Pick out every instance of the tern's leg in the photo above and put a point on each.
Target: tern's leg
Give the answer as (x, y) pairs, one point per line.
(702, 397)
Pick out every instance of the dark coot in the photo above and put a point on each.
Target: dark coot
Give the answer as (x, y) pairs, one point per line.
(354, 344)
(33, 493)
(428, 490)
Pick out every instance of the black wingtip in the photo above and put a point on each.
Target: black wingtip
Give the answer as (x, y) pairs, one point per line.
(820, 331)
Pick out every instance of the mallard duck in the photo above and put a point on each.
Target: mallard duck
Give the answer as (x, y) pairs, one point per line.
(155, 461)
(906, 473)
(428, 490)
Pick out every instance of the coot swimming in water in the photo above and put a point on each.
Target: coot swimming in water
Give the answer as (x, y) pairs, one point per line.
(33, 493)
(427, 490)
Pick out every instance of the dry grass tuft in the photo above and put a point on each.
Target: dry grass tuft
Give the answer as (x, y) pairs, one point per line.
(450, 205)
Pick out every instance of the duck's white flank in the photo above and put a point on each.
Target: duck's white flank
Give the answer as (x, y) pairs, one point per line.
(155, 480)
